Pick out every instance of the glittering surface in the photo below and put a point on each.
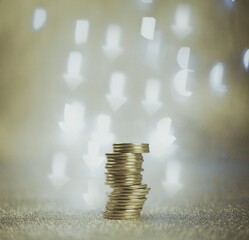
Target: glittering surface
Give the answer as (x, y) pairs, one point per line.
(24, 214)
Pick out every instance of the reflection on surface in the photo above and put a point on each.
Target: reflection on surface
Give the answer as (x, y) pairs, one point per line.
(57, 176)
(181, 26)
(116, 96)
(102, 132)
(81, 31)
(180, 82)
(161, 141)
(73, 75)
(183, 57)
(246, 59)
(148, 27)
(153, 51)
(172, 183)
(216, 78)
(112, 47)
(73, 118)
(180, 79)
(151, 103)
(93, 159)
(147, 1)
(39, 18)
(94, 197)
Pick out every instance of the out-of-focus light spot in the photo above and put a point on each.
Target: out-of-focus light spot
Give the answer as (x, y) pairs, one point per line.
(151, 102)
(147, 1)
(81, 31)
(246, 59)
(57, 177)
(112, 47)
(93, 160)
(172, 184)
(39, 18)
(73, 118)
(94, 197)
(153, 52)
(183, 57)
(229, 3)
(162, 140)
(181, 26)
(216, 77)
(102, 133)
(148, 27)
(116, 97)
(180, 79)
(73, 76)
(180, 82)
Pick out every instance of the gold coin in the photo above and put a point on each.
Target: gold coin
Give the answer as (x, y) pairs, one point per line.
(122, 174)
(124, 164)
(121, 217)
(126, 203)
(123, 155)
(127, 206)
(116, 193)
(138, 196)
(123, 211)
(122, 204)
(126, 198)
(129, 179)
(115, 205)
(124, 170)
(127, 169)
(128, 194)
(121, 214)
(132, 144)
(131, 191)
(122, 191)
(125, 159)
(120, 183)
(129, 150)
(141, 186)
(120, 180)
(122, 208)
(124, 179)
(129, 147)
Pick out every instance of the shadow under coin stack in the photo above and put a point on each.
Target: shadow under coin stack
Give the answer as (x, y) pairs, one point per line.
(123, 174)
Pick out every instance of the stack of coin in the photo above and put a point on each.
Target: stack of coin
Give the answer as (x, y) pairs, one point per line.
(124, 167)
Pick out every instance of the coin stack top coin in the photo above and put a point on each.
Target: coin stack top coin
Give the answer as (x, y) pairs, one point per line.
(124, 167)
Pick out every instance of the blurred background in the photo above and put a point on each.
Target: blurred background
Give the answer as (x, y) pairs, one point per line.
(78, 76)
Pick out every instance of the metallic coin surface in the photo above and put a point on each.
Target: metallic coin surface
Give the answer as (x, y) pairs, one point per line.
(123, 174)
